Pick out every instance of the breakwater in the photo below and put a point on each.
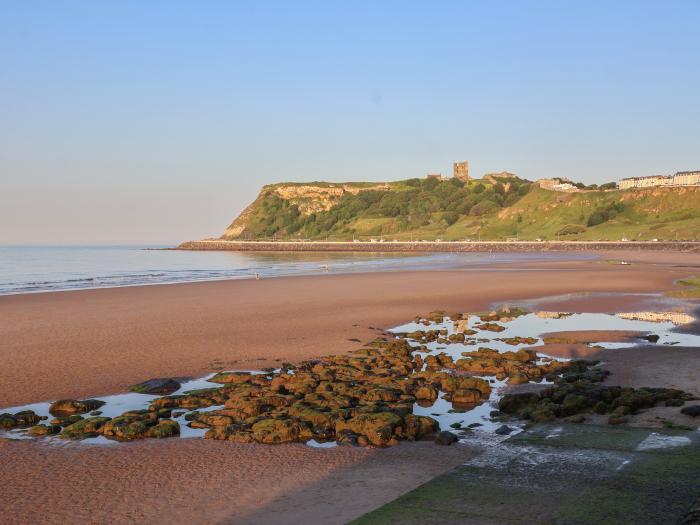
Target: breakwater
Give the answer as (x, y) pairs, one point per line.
(432, 247)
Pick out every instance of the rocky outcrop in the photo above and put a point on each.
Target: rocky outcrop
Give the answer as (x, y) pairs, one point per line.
(23, 419)
(160, 386)
(66, 407)
(579, 392)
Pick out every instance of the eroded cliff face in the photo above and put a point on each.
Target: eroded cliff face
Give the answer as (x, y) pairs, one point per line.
(312, 199)
(309, 198)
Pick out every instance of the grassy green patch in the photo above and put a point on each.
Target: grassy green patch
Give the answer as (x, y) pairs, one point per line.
(691, 292)
(450, 210)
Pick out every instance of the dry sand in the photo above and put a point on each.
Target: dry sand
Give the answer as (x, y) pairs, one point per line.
(94, 342)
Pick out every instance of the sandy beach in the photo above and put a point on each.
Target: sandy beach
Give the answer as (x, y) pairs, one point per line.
(96, 342)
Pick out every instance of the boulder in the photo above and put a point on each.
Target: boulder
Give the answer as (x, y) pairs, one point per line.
(446, 438)
(503, 430)
(417, 427)
(466, 397)
(377, 427)
(490, 327)
(323, 420)
(23, 419)
(65, 407)
(231, 377)
(514, 403)
(692, 410)
(127, 427)
(164, 429)
(426, 392)
(84, 428)
(43, 430)
(652, 338)
(64, 421)
(159, 386)
(275, 431)
(453, 383)
(8, 421)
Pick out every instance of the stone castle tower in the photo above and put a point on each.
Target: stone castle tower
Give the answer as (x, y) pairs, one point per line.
(460, 170)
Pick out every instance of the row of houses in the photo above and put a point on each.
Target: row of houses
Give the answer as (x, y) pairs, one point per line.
(681, 178)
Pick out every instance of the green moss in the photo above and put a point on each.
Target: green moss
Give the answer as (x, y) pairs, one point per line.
(692, 291)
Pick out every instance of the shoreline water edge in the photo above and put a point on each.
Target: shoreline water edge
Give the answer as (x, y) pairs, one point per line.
(437, 246)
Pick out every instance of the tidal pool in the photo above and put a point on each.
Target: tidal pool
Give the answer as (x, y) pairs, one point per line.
(470, 420)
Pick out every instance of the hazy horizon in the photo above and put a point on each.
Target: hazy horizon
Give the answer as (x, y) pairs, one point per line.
(151, 124)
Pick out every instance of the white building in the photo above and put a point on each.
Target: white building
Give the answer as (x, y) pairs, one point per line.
(686, 178)
(681, 178)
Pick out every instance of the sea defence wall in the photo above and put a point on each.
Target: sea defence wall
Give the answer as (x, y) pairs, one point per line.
(485, 246)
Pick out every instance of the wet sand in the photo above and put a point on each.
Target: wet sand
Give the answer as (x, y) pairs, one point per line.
(95, 342)
(209, 482)
(98, 342)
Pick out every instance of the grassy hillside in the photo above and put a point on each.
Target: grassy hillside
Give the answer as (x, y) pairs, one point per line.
(498, 208)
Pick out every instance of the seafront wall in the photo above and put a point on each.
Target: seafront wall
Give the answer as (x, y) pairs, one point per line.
(486, 246)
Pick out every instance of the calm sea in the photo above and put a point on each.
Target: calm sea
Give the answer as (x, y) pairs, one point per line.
(28, 269)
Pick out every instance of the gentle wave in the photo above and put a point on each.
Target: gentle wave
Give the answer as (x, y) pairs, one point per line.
(45, 269)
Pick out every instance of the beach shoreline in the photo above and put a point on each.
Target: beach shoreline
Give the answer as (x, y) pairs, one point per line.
(439, 246)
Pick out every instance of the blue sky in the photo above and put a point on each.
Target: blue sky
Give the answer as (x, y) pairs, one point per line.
(154, 122)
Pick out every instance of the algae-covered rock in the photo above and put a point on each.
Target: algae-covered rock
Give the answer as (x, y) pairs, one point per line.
(8, 421)
(231, 377)
(64, 421)
(85, 428)
(513, 403)
(23, 419)
(64, 407)
(426, 392)
(490, 327)
(466, 397)
(417, 427)
(127, 427)
(159, 386)
(454, 383)
(378, 427)
(275, 431)
(320, 418)
(164, 429)
(43, 430)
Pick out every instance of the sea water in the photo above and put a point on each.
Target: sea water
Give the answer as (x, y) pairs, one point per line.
(27, 269)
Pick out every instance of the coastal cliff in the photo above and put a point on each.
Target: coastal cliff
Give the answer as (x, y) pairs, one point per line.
(493, 208)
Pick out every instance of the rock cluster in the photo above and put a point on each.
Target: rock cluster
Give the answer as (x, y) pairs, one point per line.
(365, 398)
(519, 367)
(24, 419)
(579, 392)
(362, 399)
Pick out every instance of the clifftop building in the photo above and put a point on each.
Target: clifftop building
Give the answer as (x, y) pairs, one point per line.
(556, 184)
(681, 178)
(460, 170)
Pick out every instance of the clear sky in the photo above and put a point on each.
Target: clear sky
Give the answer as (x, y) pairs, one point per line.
(158, 121)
